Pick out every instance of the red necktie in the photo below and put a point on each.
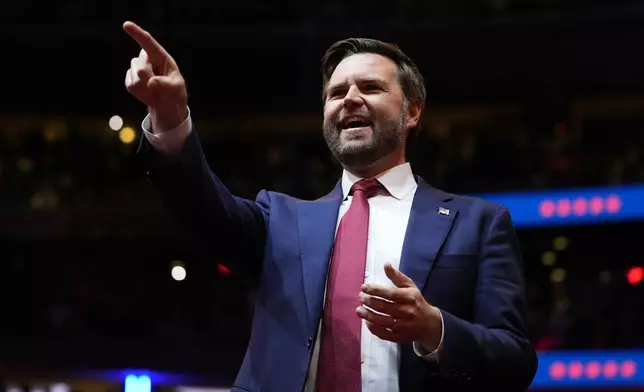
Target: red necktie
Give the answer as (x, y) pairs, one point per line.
(339, 366)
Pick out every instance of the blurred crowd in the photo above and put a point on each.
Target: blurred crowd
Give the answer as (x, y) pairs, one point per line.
(104, 293)
(122, 292)
(60, 165)
(101, 302)
(598, 312)
(110, 299)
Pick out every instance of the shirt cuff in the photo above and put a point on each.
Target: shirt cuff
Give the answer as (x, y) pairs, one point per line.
(425, 354)
(168, 142)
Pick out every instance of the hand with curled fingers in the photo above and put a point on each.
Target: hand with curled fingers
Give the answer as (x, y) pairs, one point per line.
(154, 79)
(400, 314)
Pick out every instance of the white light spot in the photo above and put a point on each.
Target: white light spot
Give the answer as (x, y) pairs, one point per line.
(178, 273)
(116, 123)
(59, 388)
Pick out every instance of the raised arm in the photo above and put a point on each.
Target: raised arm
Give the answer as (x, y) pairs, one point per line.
(230, 228)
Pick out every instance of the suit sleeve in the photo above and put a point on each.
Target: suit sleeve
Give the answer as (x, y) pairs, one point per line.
(229, 228)
(493, 352)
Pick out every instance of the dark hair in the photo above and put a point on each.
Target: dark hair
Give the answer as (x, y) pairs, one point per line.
(410, 79)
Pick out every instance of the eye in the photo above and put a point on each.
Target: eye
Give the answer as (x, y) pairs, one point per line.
(336, 93)
(372, 87)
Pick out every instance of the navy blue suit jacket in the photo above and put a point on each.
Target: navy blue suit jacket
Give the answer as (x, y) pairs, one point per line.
(466, 263)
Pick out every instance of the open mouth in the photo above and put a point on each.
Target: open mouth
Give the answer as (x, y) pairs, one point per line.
(355, 124)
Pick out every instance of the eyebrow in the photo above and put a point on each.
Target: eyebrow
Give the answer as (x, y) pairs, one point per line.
(373, 79)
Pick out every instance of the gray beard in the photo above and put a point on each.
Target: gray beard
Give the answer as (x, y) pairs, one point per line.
(387, 136)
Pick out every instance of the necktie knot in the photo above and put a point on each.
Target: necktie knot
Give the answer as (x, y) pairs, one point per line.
(369, 187)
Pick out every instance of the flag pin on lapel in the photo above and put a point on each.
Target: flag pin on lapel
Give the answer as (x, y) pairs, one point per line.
(443, 211)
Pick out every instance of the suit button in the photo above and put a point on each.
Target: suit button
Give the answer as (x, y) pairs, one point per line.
(310, 341)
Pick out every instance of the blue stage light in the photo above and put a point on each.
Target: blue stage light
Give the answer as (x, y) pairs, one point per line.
(573, 206)
(138, 383)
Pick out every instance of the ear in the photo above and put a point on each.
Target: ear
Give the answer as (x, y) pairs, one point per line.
(413, 115)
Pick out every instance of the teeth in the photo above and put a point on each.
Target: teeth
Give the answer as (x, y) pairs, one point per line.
(354, 123)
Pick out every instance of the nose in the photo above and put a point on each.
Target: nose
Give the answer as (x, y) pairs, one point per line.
(352, 98)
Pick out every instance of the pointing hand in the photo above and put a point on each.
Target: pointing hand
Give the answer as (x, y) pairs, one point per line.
(154, 79)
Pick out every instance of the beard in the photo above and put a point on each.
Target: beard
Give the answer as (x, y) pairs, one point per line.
(386, 135)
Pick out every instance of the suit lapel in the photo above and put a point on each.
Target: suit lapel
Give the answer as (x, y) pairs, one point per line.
(429, 223)
(316, 225)
(427, 230)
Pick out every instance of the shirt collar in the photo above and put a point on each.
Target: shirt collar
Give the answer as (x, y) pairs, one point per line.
(398, 181)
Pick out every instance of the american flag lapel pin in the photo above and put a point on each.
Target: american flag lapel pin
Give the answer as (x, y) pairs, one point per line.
(443, 211)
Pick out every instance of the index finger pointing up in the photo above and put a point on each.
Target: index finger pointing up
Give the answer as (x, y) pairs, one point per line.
(156, 53)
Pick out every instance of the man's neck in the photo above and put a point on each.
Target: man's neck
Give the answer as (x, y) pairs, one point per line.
(380, 166)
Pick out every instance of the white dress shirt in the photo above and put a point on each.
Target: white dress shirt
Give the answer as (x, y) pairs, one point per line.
(388, 217)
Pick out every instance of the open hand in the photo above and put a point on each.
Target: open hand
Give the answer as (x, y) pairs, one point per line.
(400, 314)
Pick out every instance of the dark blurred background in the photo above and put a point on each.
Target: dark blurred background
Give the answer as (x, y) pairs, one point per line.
(524, 95)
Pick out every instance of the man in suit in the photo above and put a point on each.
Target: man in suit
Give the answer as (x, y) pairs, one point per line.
(384, 284)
